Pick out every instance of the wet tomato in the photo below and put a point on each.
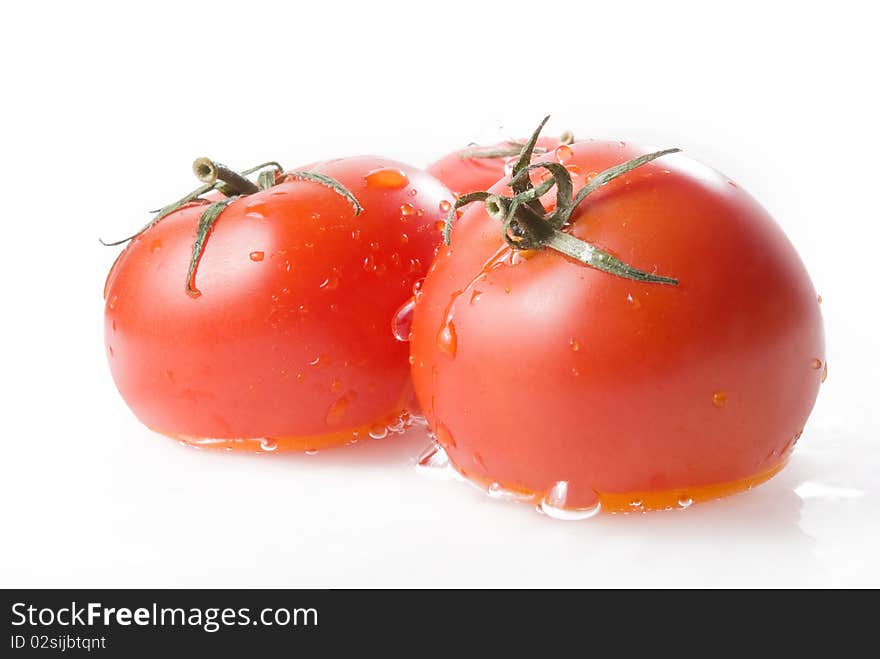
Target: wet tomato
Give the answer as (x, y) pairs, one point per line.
(480, 167)
(582, 390)
(280, 337)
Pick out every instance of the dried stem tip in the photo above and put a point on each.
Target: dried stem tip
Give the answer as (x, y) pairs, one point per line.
(209, 172)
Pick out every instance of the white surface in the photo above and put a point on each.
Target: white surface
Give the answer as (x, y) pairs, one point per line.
(105, 107)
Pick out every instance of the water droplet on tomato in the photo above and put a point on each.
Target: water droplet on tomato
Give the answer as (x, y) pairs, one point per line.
(330, 283)
(316, 216)
(447, 341)
(412, 360)
(268, 444)
(386, 177)
(407, 209)
(355, 234)
(824, 371)
(440, 225)
(444, 436)
(401, 322)
(554, 502)
(574, 344)
(336, 411)
(336, 385)
(634, 301)
(320, 360)
(445, 206)
(719, 399)
(816, 364)
(417, 288)
(635, 504)
(415, 265)
(300, 377)
(111, 303)
(685, 502)
(819, 299)
(113, 325)
(155, 245)
(433, 457)
(378, 432)
(404, 239)
(257, 256)
(563, 153)
(413, 192)
(475, 296)
(311, 451)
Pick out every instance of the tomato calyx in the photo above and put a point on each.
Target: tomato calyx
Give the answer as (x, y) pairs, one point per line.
(526, 224)
(513, 148)
(218, 177)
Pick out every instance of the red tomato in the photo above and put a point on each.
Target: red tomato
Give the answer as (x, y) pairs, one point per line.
(546, 377)
(480, 167)
(288, 338)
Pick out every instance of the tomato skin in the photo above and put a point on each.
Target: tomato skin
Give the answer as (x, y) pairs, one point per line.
(289, 337)
(559, 372)
(463, 174)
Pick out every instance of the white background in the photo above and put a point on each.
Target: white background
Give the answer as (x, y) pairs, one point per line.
(105, 106)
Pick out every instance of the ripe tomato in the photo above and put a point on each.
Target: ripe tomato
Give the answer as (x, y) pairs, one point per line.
(581, 389)
(480, 167)
(285, 341)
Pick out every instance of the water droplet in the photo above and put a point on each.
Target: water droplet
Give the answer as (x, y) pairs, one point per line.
(407, 209)
(311, 451)
(336, 411)
(155, 245)
(444, 437)
(355, 234)
(401, 323)
(445, 206)
(268, 444)
(316, 216)
(447, 341)
(320, 360)
(824, 371)
(574, 170)
(685, 502)
(300, 377)
(433, 457)
(563, 153)
(635, 504)
(404, 239)
(819, 299)
(415, 265)
(475, 295)
(257, 256)
(111, 304)
(386, 177)
(412, 360)
(378, 432)
(440, 225)
(553, 505)
(113, 325)
(634, 301)
(719, 399)
(816, 364)
(330, 283)
(574, 344)
(336, 385)
(417, 288)
(413, 192)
